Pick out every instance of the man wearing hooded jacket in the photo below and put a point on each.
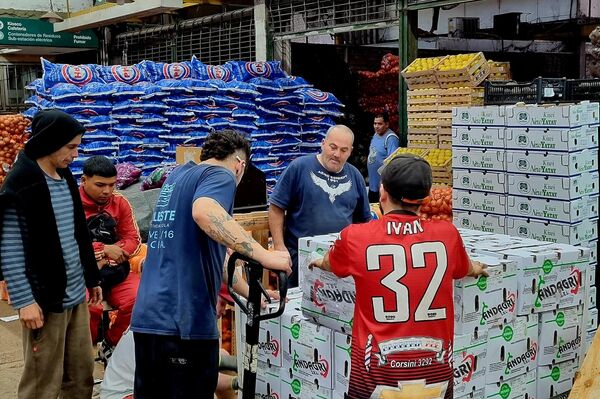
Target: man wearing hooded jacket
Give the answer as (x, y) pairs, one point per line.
(47, 259)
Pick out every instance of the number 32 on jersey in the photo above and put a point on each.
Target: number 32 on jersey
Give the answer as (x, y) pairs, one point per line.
(393, 281)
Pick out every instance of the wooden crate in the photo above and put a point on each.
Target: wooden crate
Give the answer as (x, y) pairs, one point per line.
(499, 70)
(457, 97)
(587, 379)
(419, 120)
(472, 75)
(422, 140)
(421, 79)
(445, 140)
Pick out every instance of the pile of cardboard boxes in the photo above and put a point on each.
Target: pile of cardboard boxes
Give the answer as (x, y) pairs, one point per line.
(522, 330)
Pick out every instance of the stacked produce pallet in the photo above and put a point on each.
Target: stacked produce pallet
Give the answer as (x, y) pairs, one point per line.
(436, 85)
(379, 90)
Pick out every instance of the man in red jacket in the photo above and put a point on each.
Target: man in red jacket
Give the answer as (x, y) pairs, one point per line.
(115, 237)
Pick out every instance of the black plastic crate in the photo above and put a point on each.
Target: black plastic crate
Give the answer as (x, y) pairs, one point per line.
(510, 92)
(583, 89)
(551, 90)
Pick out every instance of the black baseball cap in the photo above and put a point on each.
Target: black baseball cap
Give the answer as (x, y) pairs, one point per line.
(407, 178)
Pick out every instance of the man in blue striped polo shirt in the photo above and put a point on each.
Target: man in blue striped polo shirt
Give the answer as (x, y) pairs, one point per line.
(47, 259)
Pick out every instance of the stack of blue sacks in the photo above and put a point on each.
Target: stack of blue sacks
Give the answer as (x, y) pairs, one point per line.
(141, 113)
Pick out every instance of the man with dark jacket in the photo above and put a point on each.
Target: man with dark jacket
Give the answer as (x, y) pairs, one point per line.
(47, 260)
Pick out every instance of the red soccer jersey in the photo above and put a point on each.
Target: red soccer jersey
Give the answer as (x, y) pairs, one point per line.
(403, 327)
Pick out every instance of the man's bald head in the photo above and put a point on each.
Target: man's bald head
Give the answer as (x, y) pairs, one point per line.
(336, 148)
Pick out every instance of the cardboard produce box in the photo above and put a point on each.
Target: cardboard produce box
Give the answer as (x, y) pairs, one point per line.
(566, 233)
(486, 301)
(477, 201)
(552, 163)
(185, 154)
(547, 116)
(564, 140)
(556, 379)
(560, 336)
(567, 211)
(488, 116)
(512, 348)
(479, 221)
(479, 180)
(519, 387)
(553, 187)
(483, 137)
(469, 355)
(478, 158)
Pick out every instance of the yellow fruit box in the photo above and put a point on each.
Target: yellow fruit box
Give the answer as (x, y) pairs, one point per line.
(459, 74)
(422, 140)
(403, 150)
(442, 174)
(416, 77)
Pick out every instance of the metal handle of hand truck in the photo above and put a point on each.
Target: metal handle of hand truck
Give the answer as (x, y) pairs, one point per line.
(281, 283)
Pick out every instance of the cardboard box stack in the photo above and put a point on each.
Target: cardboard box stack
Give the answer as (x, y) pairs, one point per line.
(436, 85)
(520, 332)
(552, 314)
(536, 165)
(478, 166)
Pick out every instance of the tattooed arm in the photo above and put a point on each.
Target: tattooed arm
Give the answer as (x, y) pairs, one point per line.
(222, 227)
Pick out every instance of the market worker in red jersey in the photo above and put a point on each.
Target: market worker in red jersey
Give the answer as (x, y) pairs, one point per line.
(403, 268)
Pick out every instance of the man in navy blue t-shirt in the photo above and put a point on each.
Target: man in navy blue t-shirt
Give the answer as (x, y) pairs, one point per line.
(174, 319)
(317, 194)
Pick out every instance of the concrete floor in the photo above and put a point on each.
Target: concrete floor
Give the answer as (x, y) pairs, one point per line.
(11, 355)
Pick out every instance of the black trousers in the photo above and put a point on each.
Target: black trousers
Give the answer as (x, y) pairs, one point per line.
(168, 367)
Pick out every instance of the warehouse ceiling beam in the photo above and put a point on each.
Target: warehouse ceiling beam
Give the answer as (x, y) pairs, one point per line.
(493, 45)
(336, 30)
(109, 14)
(415, 5)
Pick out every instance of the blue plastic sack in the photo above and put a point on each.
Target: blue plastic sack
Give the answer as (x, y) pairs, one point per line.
(65, 73)
(128, 143)
(153, 142)
(318, 97)
(242, 89)
(275, 98)
(139, 130)
(100, 135)
(34, 101)
(219, 72)
(159, 70)
(292, 110)
(245, 125)
(36, 85)
(317, 121)
(30, 112)
(208, 109)
(98, 90)
(201, 87)
(266, 85)
(99, 148)
(151, 118)
(217, 123)
(268, 112)
(176, 112)
(276, 131)
(151, 91)
(65, 92)
(102, 121)
(175, 85)
(244, 113)
(233, 101)
(291, 84)
(124, 90)
(285, 120)
(186, 100)
(325, 110)
(139, 105)
(121, 73)
(298, 81)
(244, 71)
